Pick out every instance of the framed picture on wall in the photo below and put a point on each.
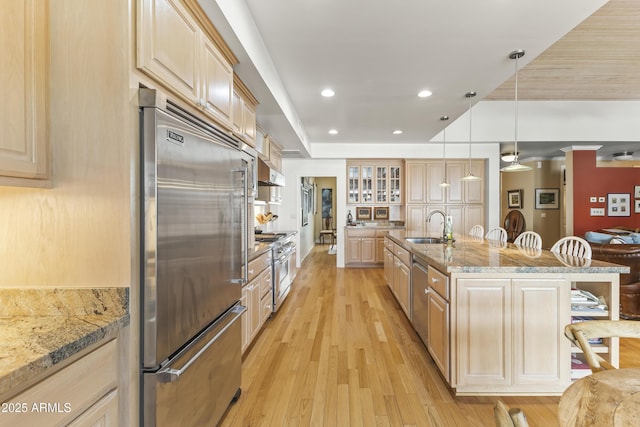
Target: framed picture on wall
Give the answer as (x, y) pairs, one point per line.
(514, 198)
(363, 213)
(618, 204)
(637, 210)
(381, 213)
(636, 192)
(547, 198)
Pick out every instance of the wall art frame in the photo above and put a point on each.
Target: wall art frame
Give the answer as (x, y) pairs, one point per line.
(514, 198)
(618, 204)
(547, 198)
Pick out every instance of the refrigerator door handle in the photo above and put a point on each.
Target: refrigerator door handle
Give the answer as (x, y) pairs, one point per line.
(168, 374)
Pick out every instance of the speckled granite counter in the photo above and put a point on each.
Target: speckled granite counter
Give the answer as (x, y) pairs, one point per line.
(469, 255)
(40, 328)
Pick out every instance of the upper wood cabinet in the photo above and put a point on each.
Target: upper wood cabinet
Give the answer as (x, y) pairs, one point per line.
(424, 179)
(24, 147)
(375, 182)
(174, 50)
(244, 112)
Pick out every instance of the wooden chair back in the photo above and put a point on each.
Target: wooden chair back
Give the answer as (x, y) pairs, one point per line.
(506, 417)
(580, 333)
(477, 231)
(529, 239)
(572, 245)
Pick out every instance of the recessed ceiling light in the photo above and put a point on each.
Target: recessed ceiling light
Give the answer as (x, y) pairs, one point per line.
(333, 132)
(327, 93)
(397, 132)
(424, 93)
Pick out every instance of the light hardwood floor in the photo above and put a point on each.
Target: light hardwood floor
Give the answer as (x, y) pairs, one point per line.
(340, 352)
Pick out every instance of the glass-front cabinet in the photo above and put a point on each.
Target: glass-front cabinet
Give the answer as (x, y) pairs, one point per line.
(376, 182)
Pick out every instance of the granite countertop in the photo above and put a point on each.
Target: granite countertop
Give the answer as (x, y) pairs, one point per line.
(39, 328)
(476, 255)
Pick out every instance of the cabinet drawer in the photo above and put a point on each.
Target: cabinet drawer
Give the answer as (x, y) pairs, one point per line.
(361, 233)
(439, 282)
(402, 254)
(257, 265)
(266, 305)
(74, 389)
(265, 281)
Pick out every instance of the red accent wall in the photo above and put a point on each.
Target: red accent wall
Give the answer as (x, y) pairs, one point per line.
(589, 181)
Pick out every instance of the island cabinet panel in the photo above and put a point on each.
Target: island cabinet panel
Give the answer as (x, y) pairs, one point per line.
(24, 146)
(438, 342)
(484, 332)
(541, 352)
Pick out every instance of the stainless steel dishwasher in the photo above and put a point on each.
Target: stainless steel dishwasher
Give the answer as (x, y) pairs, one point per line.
(419, 303)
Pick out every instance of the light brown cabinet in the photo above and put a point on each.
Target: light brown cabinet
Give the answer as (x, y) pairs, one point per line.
(360, 246)
(397, 271)
(438, 325)
(183, 58)
(257, 297)
(244, 112)
(86, 392)
(374, 182)
(24, 146)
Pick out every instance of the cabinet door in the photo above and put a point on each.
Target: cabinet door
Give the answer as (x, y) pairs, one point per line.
(255, 307)
(249, 124)
(217, 83)
(169, 47)
(416, 182)
(266, 307)
(382, 182)
(473, 214)
(455, 173)
(474, 190)
(388, 266)
(353, 250)
(438, 331)
(353, 184)
(380, 250)
(368, 249)
(416, 219)
(24, 145)
(102, 413)
(403, 288)
(395, 184)
(484, 345)
(366, 184)
(435, 176)
(541, 309)
(237, 105)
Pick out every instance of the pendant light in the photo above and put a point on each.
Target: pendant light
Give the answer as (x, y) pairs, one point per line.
(470, 176)
(444, 182)
(515, 165)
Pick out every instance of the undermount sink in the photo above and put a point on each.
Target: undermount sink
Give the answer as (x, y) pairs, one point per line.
(424, 240)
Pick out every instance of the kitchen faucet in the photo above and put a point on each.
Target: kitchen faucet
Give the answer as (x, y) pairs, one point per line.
(444, 221)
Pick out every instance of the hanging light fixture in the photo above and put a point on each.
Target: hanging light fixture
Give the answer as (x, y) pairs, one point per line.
(444, 182)
(515, 165)
(470, 176)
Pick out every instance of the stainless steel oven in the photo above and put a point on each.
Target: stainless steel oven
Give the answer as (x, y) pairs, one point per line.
(283, 269)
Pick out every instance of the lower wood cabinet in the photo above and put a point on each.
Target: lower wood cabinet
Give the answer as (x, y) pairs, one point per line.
(510, 334)
(82, 394)
(257, 297)
(397, 271)
(360, 246)
(438, 332)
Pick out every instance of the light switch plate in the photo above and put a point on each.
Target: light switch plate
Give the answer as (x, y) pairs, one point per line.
(597, 211)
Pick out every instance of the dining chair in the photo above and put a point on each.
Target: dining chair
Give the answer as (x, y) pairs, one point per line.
(509, 417)
(530, 239)
(572, 245)
(580, 333)
(477, 231)
(497, 233)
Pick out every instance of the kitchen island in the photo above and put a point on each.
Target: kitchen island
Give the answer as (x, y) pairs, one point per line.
(493, 313)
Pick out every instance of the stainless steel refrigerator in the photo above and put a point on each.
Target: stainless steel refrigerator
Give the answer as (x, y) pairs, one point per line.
(194, 195)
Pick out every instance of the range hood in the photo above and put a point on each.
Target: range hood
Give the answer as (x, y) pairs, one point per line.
(268, 176)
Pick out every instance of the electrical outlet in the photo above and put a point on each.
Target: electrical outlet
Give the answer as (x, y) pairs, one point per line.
(593, 199)
(600, 199)
(597, 211)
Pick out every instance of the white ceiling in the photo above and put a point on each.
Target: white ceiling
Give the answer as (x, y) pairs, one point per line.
(377, 54)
